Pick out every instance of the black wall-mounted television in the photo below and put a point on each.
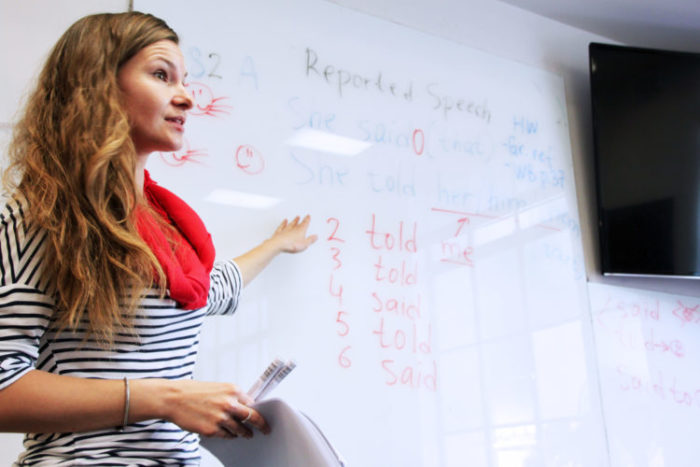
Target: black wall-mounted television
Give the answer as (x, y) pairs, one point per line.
(646, 130)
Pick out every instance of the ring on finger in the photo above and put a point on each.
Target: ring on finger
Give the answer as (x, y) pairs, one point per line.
(250, 414)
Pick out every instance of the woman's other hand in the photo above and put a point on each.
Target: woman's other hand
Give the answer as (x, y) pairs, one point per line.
(212, 409)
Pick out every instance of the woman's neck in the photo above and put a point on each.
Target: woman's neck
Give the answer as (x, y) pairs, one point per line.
(138, 175)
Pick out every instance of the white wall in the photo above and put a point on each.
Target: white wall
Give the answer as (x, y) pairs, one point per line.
(28, 30)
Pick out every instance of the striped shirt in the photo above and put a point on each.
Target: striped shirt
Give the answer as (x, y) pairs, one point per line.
(166, 347)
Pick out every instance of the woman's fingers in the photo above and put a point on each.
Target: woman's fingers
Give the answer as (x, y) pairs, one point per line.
(225, 433)
(236, 428)
(239, 421)
(215, 409)
(294, 234)
(246, 416)
(282, 226)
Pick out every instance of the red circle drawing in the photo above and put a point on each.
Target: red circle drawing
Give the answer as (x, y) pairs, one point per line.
(249, 159)
(204, 102)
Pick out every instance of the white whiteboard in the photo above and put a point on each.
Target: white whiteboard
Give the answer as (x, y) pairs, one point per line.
(461, 336)
(648, 345)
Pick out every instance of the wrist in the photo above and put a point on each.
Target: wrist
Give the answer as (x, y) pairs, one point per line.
(151, 399)
(273, 245)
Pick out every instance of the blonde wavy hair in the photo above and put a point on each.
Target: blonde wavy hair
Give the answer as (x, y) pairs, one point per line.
(72, 158)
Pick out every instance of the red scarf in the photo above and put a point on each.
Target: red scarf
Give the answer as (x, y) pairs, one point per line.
(188, 262)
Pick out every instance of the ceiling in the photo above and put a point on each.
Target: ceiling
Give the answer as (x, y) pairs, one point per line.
(667, 24)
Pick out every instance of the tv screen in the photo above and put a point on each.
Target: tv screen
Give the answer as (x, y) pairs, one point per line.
(646, 127)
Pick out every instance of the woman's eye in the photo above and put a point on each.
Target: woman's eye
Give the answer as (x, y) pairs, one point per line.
(160, 74)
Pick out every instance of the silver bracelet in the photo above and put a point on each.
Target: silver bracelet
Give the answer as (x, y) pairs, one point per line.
(127, 396)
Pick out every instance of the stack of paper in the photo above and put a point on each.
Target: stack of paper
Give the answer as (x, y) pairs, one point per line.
(271, 377)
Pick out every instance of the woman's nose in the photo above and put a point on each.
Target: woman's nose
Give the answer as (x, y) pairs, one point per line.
(183, 98)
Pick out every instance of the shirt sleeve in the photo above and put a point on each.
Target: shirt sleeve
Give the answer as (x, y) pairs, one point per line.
(225, 288)
(25, 306)
(25, 314)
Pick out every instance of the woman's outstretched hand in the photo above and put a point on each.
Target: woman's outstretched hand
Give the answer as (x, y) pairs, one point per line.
(291, 235)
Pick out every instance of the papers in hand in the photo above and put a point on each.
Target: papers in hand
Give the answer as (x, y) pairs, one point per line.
(271, 377)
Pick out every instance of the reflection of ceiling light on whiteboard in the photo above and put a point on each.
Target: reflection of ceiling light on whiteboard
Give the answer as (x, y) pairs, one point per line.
(492, 231)
(243, 200)
(544, 211)
(327, 142)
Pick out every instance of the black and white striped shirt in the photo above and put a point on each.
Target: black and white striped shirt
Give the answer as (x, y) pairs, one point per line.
(166, 347)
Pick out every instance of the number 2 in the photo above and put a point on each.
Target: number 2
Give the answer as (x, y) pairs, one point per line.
(332, 236)
(217, 61)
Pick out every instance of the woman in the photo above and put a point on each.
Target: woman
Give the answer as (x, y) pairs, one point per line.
(106, 276)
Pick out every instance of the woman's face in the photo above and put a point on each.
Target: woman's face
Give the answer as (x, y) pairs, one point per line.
(154, 97)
